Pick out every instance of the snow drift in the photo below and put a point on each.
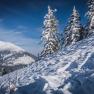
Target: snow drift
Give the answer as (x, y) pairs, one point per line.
(70, 71)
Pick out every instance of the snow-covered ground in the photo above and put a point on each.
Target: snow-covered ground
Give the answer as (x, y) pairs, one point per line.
(70, 71)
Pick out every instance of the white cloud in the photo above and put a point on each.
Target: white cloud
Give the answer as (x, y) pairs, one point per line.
(29, 44)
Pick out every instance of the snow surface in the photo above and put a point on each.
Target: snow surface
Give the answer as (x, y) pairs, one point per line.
(70, 71)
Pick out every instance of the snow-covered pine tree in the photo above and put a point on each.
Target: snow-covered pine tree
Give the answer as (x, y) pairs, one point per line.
(73, 31)
(50, 37)
(76, 27)
(90, 15)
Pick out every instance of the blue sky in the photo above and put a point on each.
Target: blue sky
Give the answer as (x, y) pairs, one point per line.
(21, 21)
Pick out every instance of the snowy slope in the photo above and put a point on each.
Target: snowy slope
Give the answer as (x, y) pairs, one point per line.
(70, 71)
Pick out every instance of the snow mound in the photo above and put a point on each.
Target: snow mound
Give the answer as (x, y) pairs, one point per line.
(70, 71)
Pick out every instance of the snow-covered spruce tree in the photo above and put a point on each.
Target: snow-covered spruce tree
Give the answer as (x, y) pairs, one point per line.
(73, 31)
(50, 36)
(90, 16)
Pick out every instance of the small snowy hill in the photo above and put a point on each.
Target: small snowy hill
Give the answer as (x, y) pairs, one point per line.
(70, 71)
(12, 55)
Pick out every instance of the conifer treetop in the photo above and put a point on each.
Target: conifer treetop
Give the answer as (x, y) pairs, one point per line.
(90, 12)
(74, 9)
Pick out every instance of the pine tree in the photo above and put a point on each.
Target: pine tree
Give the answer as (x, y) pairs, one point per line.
(73, 31)
(50, 34)
(90, 15)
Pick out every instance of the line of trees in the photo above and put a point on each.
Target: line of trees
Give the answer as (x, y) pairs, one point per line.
(73, 32)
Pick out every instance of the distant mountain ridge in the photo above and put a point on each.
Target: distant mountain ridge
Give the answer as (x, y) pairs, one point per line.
(12, 56)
